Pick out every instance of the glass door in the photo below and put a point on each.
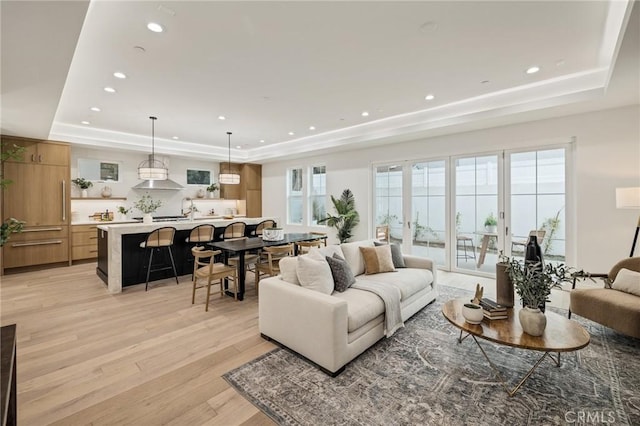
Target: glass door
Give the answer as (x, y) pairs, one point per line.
(476, 241)
(388, 200)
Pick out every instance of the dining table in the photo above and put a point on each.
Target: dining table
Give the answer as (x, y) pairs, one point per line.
(243, 245)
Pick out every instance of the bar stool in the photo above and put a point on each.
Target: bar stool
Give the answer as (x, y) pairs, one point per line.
(464, 256)
(156, 240)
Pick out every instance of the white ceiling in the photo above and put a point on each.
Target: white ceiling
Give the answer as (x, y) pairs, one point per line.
(276, 67)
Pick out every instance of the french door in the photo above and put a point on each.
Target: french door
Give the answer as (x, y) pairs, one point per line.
(464, 211)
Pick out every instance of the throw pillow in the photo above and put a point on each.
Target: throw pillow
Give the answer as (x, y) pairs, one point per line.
(396, 254)
(353, 256)
(342, 274)
(627, 281)
(320, 253)
(377, 259)
(288, 270)
(315, 274)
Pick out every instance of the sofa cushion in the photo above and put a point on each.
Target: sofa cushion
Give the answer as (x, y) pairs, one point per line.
(353, 256)
(288, 270)
(627, 281)
(377, 259)
(396, 254)
(315, 274)
(322, 252)
(342, 275)
(362, 307)
(408, 280)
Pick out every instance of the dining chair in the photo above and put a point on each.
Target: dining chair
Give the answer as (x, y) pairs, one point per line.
(302, 247)
(322, 234)
(205, 267)
(155, 241)
(382, 233)
(461, 241)
(269, 223)
(269, 262)
(538, 233)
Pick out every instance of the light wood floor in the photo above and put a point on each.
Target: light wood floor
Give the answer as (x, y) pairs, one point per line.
(143, 358)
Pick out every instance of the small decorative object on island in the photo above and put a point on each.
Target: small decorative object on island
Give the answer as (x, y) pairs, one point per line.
(491, 224)
(347, 217)
(211, 189)
(472, 313)
(533, 283)
(83, 184)
(106, 192)
(272, 234)
(147, 205)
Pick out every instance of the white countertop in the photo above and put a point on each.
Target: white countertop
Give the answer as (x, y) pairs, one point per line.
(138, 228)
(101, 222)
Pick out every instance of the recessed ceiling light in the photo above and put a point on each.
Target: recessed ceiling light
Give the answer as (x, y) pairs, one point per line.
(261, 140)
(429, 97)
(119, 74)
(175, 138)
(222, 117)
(96, 109)
(533, 70)
(291, 133)
(110, 89)
(312, 127)
(85, 122)
(156, 28)
(239, 146)
(365, 114)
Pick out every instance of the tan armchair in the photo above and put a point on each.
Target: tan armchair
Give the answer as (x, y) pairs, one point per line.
(607, 306)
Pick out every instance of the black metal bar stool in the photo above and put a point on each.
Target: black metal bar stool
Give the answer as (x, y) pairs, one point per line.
(156, 240)
(464, 255)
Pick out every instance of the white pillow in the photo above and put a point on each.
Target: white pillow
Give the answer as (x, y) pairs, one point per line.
(353, 256)
(288, 270)
(627, 281)
(315, 274)
(321, 253)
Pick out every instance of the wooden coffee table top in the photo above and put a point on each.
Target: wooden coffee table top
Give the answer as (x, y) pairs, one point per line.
(560, 335)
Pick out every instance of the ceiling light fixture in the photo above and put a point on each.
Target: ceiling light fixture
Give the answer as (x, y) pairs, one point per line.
(96, 109)
(222, 117)
(291, 133)
(152, 169)
(365, 114)
(429, 97)
(155, 27)
(261, 140)
(229, 178)
(532, 70)
(175, 138)
(85, 122)
(110, 89)
(312, 127)
(119, 74)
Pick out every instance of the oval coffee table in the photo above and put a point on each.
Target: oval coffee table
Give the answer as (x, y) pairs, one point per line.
(560, 335)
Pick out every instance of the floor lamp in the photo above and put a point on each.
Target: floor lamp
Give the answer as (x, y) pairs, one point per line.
(629, 198)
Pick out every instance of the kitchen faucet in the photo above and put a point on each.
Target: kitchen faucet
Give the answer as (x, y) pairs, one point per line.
(191, 210)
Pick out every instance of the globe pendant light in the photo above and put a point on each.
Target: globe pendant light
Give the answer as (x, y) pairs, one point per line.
(152, 169)
(229, 178)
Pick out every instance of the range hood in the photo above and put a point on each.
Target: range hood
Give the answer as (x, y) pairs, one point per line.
(166, 184)
(159, 184)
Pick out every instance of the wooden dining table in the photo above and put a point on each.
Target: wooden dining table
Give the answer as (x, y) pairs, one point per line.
(242, 246)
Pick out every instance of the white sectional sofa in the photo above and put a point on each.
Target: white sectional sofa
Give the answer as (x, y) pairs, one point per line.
(332, 329)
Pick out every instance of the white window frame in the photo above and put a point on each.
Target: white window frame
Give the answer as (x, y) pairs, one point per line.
(311, 194)
(290, 196)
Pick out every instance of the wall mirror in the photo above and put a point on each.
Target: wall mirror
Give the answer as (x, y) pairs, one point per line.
(98, 170)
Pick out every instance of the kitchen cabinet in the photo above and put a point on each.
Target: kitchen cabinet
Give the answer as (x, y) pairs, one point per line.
(38, 195)
(249, 189)
(84, 242)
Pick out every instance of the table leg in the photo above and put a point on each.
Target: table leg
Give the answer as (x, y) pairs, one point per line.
(483, 250)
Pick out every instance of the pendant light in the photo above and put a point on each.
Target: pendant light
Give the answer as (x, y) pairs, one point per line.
(229, 178)
(152, 169)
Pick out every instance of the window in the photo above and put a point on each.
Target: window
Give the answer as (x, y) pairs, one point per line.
(318, 194)
(295, 198)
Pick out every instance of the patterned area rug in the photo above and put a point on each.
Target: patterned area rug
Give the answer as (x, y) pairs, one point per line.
(422, 376)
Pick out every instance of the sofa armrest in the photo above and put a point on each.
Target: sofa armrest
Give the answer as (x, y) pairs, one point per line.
(311, 323)
(422, 263)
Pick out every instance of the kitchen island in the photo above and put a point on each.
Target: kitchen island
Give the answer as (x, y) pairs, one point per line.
(121, 261)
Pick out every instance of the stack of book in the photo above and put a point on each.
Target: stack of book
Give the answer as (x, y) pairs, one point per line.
(492, 310)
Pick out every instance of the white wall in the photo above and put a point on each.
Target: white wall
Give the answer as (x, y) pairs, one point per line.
(607, 156)
(129, 161)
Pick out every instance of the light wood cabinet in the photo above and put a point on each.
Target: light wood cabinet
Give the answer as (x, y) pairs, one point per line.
(84, 242)
(249, 189)
(39, 195)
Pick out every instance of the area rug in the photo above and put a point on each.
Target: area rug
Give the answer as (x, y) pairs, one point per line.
(422, 376)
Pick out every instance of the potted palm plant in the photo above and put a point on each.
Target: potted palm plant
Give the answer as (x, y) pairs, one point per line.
(533, 283)
(347, 216)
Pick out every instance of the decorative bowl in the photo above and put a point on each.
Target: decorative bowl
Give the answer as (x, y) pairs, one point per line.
(273, 234)
(472, 313)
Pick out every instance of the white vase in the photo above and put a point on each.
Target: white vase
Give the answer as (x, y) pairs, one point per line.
(147, 218)
(212, 194)
(533, 321)
(84, 193)
(472, 313)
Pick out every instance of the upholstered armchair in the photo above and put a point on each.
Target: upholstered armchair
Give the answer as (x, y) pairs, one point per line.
(613, 308)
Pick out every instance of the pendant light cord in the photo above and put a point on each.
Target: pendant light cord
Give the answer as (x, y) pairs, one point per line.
(229, 165)
(153, 153)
